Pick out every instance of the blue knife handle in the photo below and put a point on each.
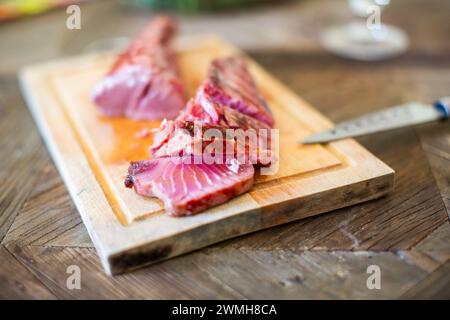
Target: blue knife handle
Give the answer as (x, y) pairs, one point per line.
(443, 105)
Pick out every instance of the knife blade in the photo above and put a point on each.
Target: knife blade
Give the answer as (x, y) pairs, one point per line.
(408, 114)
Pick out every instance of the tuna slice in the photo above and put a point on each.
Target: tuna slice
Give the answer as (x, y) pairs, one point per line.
(178, 138)
(205, 109)
(144, 82)
(181, 138)
(230, 83)
(187, 188)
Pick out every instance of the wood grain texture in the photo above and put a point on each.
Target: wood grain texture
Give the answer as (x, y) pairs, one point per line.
(435, 140)
(434, 286)
(61, 224)
(17, 155)
(436, 245)
(338, 88)
(224, 273)
(16, 282)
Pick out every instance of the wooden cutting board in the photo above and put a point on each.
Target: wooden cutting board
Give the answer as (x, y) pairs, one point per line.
(92, 154)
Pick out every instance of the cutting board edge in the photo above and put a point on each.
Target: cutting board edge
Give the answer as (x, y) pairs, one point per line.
(127, 258)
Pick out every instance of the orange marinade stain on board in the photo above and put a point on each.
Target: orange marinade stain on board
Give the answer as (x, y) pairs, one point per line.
(131, 139)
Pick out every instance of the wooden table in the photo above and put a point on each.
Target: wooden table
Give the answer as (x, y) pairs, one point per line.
(406, 233)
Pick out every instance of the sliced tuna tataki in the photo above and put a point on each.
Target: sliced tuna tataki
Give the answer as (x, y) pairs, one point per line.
(187, 187)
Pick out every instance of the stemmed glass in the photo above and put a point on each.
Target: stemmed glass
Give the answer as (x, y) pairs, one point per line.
(365, 38)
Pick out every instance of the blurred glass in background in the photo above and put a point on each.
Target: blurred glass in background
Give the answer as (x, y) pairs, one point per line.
(366, 37)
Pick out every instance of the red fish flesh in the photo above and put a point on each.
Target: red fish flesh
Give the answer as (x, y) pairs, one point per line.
(227, 100)
(229, 83)
(144, 82)
(181, 138)
(187, 188)
(205, 111)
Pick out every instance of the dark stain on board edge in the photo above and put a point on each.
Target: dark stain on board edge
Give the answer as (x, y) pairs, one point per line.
(131, 260)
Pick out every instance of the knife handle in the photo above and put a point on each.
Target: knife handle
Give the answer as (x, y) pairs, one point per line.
(443, 105)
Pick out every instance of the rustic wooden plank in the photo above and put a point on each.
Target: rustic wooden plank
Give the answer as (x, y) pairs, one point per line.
(217, 273)
(17, 282)
(434, 286)
(437, 244)
(419, 259)
(421, 194)
(25, 148)
(175, 279)
(338, 274)
(435, 140)
(48, 216)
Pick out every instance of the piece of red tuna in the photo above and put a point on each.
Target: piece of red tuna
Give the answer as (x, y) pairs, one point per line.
(243, 108)
(187, 187)
(181, 138)
(205, 109)
(144, 82)
(229, 83)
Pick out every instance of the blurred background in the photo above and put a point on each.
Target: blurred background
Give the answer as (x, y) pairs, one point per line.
(254, 25)
(284, 36)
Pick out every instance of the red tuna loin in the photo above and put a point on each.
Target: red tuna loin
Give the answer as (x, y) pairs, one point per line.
(186, 187)
(229, 83)
(144, 82)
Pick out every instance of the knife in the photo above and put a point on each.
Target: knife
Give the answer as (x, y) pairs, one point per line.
(407, 114)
